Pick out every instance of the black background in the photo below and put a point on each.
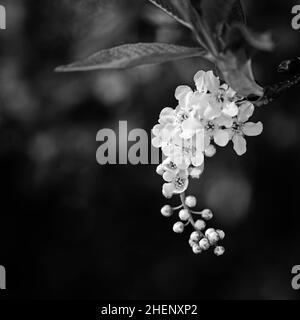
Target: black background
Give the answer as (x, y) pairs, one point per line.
(71, 228)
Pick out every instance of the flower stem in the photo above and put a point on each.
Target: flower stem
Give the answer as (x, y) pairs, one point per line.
(191, 219)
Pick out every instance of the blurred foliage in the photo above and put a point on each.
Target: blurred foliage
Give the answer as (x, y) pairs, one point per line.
(74, 229)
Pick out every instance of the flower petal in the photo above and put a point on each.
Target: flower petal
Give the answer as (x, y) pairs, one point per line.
(212, 112)
(239, 144)
(168, 189)
(199, 79)
(167, 112)
(252, 129)
(181, 160)
(157, 142)
(168, 176)
(221, 138)
(245, 111)
(189, 127)
(181, 182)
(198, 159)
(225, 121)
(181, 91)
(183, 94)
(199, 140)
(230, 109)
(212, 83)
(157, 129)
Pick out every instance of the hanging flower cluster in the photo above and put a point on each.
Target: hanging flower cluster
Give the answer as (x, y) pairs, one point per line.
(212, 115)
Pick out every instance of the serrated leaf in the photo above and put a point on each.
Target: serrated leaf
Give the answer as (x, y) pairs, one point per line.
(132, 55)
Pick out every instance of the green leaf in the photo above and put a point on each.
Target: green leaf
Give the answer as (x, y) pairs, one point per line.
(132, 55)
(237, 72)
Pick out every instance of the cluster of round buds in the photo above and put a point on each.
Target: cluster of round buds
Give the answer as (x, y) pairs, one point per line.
(200, 241)
(202, 238)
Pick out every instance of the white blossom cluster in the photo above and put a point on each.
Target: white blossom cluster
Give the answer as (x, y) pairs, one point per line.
(212, 115)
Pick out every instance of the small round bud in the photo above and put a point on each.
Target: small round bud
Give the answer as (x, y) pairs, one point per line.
(219, 251)
(221, 234)
(200, 225)
(213, 238)
(210, 151)
(195, 172)
(196, 249)
(204, 244)
(166, 211)
(206, 214)
(160, 170)
(192, 242)
(184, 214)
(191, 201)
(209, 230)
(195, 236)
(178, 227)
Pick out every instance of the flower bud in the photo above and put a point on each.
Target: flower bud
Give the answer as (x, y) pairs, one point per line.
(166, 211)
(195, 236)
(219, 251)
(221, 234)
(213, 237)
(208, 231)
(200, 225)
(204, 244)
(210, 151)
(195, 172)
(192, 242)
(191, 201)
(196, 249)
(184, 214)
(178, 227)
(207, 214)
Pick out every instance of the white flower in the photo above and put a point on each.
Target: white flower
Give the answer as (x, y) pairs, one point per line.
(221, 97)
(216, 130)
(241, 128)
(186, 152)
(177, 183)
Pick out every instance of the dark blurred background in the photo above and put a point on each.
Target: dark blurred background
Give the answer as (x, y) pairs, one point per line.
(71, 228)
